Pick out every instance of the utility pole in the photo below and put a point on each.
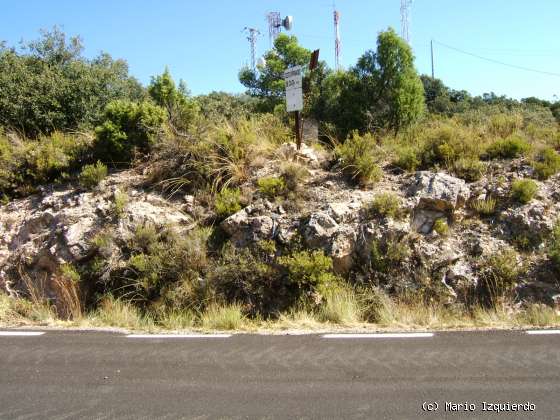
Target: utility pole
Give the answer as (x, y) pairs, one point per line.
(432, 50)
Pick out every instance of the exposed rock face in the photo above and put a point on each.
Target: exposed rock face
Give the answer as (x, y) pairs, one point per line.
(44, 231)
(438, 191)
(244, 228)
(533, 221)
(437, 196)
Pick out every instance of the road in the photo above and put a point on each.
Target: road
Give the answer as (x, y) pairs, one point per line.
(68, 375)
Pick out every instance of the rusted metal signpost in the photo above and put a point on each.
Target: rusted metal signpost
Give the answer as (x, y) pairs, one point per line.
(294, 94)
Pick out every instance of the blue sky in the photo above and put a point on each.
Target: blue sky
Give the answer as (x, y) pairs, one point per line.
(202, 41)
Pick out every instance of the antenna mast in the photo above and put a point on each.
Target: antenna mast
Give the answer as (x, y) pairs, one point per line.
(252, 38)
(337, 44)
(274, 24)
(405, 19)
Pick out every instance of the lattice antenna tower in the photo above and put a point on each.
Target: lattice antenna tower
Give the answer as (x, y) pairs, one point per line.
(274, 24)
(405, 19)
(337, 43)
(252, 38)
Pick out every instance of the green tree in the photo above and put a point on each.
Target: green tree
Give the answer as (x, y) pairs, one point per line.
(393, 95)
(48, 85)
(181, 108)
(267, 83)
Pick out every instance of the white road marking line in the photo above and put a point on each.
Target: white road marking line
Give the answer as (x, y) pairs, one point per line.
(543, 332)
(179, 335)
(381, 335)
(20, 333)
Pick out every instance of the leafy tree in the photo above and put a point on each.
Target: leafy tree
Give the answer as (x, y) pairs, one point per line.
(267, 83)
(47, 85)
(181, 109)
(393, 92)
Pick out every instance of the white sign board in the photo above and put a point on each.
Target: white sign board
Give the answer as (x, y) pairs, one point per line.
(294, 92)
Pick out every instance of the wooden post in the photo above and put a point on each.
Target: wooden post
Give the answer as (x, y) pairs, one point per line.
(298, 128)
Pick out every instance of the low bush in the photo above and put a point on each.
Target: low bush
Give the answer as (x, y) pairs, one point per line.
(92, 175)
(358, 158)
(508, 148)
(407, 158)
(388, 254)
(486, 207)
(505, 124)
(547, 163)
(120, 201)
(469, 169)
(294, 175)
(523, 190)
(499, 275)
(441, 226)
(227, 202)
(310, 271)
(446, 143)
(128, 127)
(272, 186)
(554, 245)
(387, 205)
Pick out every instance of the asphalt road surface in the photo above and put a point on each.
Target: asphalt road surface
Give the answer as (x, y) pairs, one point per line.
(68, 375)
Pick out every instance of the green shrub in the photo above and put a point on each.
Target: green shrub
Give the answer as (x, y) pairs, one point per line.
(227, 202)
(387, 205)
(554, 246)
(271, 187)
(508, 148)
(128, 127)
(504, 125)
(294, 175)
(446, 143)
(358, 158)
(441, 226)
(120, 201)
(389, 254)
(469, 169)
(523, 190)
(250, 277)
(485, 207)
(407, 158)
(547, 163)
(92, 175)
(500, 273)
(310, 271)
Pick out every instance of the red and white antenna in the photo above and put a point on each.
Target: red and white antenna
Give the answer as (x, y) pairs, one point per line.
(337, 43)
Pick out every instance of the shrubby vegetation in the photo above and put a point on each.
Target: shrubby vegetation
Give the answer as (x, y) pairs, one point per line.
(65, 118)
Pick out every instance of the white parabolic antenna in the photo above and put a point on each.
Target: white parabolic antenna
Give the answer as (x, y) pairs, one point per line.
(288, 22)
(261, 62)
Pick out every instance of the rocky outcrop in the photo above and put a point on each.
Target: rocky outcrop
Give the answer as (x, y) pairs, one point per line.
(57, 227)
(437, 195)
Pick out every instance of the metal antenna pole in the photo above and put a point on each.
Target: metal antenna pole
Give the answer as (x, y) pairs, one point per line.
(405, 19)
(337, 44)
(252, 38)
(274, 23)
(432, 50)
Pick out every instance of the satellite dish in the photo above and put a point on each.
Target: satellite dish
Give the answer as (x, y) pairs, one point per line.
(288, 22)
(261, 62)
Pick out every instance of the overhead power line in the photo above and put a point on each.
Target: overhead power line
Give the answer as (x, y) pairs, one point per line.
(491, 60)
